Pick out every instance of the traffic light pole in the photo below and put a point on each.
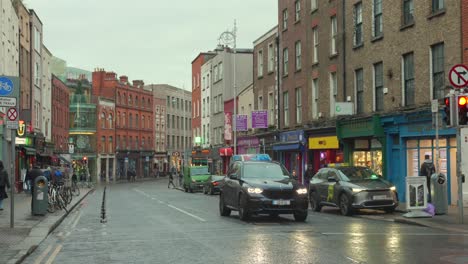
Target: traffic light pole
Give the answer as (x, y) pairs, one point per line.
(459, 177)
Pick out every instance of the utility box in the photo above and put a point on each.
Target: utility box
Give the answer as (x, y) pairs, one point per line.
(439, 194)
(40, 196)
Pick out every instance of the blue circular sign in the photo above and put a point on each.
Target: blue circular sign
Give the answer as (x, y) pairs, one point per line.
(6, 86)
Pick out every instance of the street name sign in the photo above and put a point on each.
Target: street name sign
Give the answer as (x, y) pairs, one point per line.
(7, 101)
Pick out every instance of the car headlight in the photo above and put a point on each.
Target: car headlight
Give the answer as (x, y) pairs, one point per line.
(301, 191)
(356, 190)
(254, 190)
(194, 180)
(393, 188)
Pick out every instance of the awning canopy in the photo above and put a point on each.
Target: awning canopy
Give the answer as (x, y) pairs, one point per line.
(226, 152)
(30, 151)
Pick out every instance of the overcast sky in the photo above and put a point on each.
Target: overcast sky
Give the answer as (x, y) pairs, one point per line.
(153, 40)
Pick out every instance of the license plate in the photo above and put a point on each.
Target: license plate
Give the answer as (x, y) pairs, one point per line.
(380, 197)
(281, 202)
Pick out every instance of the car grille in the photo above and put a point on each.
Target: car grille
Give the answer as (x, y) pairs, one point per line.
(378, 203)
(279, 194)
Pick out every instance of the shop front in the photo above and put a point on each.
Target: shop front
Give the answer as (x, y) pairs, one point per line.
(25, 158)
(291, 151)
(363, 142)
(248, 145)
(225, 154)
(410, 137)
(160, 163)
(324, 150)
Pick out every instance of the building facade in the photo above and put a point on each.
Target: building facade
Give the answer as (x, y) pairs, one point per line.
(46, 96)
(105, 134)
(60, 117)
(9, 50)
(160, 161)
(36, 80)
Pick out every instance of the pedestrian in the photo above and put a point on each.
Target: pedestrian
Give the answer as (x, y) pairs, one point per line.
(427, 169)
(309, 174)
(294, 174)
(33, 174)
(4, 182)
(171, 180)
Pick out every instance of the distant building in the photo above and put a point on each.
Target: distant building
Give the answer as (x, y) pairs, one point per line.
(60, 116)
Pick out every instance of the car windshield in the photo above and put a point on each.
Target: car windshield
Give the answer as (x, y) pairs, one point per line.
(217, 178)
(265, 170)
(357, 174)
(198, 171)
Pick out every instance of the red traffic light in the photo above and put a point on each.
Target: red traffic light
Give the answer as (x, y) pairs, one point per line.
(85, 158)
(462, 100)
(447, 101)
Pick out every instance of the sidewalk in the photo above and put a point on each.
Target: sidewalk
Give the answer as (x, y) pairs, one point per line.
(29, 230)
(448, 222)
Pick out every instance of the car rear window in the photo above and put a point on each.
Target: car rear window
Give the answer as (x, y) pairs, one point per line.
(357, 174)
(265, 170)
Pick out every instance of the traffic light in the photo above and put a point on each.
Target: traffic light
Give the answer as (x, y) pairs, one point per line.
(85, 160)
(462, 109)
(447, 111)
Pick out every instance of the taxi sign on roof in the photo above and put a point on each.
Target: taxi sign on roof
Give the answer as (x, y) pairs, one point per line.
(251, 157)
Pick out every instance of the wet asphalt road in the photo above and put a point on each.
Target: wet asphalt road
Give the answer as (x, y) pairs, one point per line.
(148, 223)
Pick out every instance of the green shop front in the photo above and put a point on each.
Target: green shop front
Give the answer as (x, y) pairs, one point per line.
(363, 142)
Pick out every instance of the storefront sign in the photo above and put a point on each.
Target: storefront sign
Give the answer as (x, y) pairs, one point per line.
(292, 136)
(227, 126)
(253, 141)
(330, 142)
(241, 122)
(20, 141)
(361, 144)
(416, 192)
(260, 119)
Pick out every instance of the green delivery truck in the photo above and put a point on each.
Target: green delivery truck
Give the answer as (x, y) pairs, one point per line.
(195, 177)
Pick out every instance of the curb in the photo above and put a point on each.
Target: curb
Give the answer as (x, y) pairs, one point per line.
(25, 253)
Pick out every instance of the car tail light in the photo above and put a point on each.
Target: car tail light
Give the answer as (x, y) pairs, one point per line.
(215, 183)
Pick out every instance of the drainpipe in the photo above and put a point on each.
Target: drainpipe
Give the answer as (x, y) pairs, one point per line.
(343, 15)
(278, 79)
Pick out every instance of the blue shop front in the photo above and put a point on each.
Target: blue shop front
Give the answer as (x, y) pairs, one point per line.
(411, 136)
(291, 151)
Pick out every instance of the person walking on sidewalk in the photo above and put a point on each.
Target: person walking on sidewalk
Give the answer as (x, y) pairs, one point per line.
(308, 175)
(4, 182)
(171, 180)
(427, 169)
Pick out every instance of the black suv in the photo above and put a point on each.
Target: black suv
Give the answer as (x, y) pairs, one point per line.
(259, 187)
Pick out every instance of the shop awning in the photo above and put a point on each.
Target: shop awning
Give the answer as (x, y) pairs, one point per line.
(30, 151)
(226, 152)
(287, 146)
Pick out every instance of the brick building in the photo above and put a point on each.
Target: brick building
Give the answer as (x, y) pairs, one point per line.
(105, 135)
(60, 115)
(134, 132)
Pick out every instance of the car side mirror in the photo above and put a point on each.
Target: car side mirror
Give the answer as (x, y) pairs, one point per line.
(332, 179)
(233, 176)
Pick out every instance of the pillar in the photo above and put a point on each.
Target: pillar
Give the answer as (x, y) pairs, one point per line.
(107, 170)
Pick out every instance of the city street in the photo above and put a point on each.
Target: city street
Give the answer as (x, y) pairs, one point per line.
(148, 223)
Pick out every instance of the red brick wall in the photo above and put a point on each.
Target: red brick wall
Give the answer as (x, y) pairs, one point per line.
(60, 114)
(196, 91)
(464, 25)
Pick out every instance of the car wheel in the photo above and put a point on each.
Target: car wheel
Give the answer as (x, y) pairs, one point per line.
(223, 210)
(185, 189)
(300, 216)
(345, 205)
(314, 203)
(204, 190)
(190, 189)
(389, 210)
(244, 213)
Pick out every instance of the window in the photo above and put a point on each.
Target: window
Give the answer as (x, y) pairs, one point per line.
(358, 24)
(408, 12)
(208, 104)
(260, 63)
(215, 105)
(173, 122)
(168, 121)
(285, 19)
(315, 43)
(437, 5)
(298, 10)
(313, 4)
(271, 57)
(168, 101)
(298, 55)
(334, 35)
(111, 145)
(143, 124)
(130, 100)
(37, 74)
(103, 120)
(207, 85)
(203, 110)
(359, 82)
(204, 84)
(111, 121)
(260, 103)
(315, 93)
(37, 40)
(215, 70)
(377, 19)
(130, 120)
(378, 84)
(408, 75)
(285, 62)
(286, 108)
(136, 121)
(438, 80)
(177, 123)
(271, 109)
(298, 106)
(124, 120)
(220, 69)
(333, 83)
(103, 144)
(118, 119)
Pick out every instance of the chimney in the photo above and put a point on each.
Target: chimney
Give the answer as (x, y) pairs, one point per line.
(138, 83)
(124, 79)
(111, 76)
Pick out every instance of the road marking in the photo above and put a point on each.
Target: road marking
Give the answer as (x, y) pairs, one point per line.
(353, 260)
(403, 234)
(60, 234)
(76, 220)
(42, 256)
(187, 213)
(54, 254)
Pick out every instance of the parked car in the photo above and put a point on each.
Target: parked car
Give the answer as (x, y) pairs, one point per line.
(351, 188)
(213, 184)
(262, 187)
(195, 177)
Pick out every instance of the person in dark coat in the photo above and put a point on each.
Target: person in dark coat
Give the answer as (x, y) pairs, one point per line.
(309, 174)
(4, 182)
(427, 169)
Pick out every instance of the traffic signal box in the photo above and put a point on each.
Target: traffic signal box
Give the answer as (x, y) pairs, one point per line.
(456, 110)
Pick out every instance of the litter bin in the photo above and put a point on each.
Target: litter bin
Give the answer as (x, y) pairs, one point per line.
(40, 199)
(439, 193)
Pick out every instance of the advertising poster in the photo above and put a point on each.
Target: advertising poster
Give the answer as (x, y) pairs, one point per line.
(241, 122)
(416, 192)
(227, 126)
(260, 119)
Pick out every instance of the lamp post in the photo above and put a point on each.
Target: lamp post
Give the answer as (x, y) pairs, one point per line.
(228, 38)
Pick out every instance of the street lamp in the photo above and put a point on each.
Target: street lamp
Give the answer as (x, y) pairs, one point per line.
(227, 38)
